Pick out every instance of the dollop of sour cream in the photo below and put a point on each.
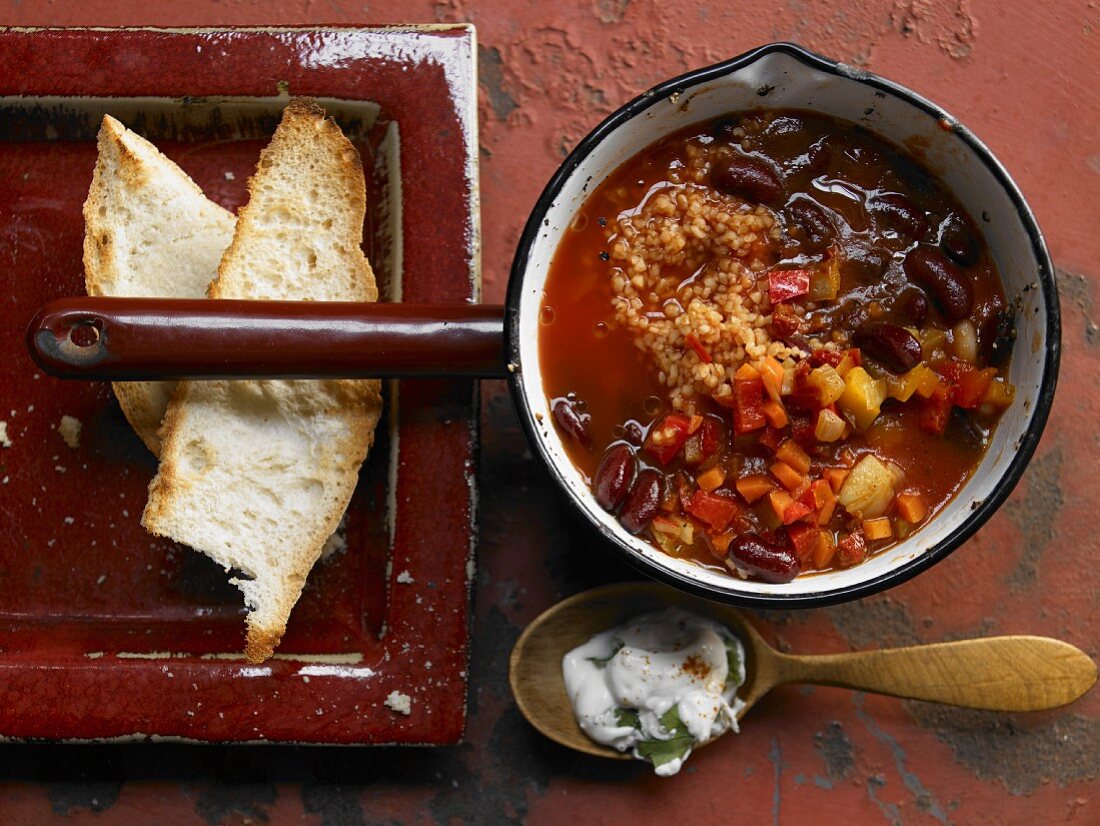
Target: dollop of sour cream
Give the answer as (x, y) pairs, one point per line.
(657, 685)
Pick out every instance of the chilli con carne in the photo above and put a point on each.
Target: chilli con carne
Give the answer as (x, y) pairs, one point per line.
(774, 343)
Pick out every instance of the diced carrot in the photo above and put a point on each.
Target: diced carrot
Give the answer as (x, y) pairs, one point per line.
(879, 528)
(798, 492)
(708, 480)
(835, 476)
(820, 497)
(794, 456)
(825, 550)
(694, 423)
(753, 487)
(719, 543)
(804, 538)
(746, 372)
(787, 475)
(774, 413)
(825, 512)
(771, 372)
(780, 500)
(911, 507)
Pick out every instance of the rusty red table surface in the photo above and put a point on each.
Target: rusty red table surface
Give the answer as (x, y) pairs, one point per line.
(1024, 77)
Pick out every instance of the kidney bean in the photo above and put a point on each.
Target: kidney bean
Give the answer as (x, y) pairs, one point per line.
(811, 217)
(573, 423)
(952, 290)
(756, 556)
(995, 337)
(642, 502)
(912, 306)
(749, 178)
(899, 214)
(614, 476)
(894, 347)
(959, 242)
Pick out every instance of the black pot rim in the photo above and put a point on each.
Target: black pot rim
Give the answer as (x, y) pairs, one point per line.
(1025, 447)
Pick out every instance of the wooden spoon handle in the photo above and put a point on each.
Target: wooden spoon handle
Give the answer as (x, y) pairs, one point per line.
(998, 673)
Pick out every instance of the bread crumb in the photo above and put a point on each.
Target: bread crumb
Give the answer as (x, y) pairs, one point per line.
(69, 429)
(4, 440)
(336, 543)
(401, 703)
(405, 578)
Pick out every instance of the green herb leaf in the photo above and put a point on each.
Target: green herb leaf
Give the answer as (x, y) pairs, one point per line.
(659, 752)
(736, 665)
(627, 717)
(603, 661)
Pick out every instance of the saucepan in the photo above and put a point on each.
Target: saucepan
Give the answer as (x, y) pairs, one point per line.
(121, 339)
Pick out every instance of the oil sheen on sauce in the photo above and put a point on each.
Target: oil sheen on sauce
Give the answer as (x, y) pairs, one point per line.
(657, 685)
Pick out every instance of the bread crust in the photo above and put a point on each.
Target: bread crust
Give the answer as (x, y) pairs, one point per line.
(351, 407)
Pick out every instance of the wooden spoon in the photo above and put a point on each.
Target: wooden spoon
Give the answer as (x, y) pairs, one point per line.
(1015, 673)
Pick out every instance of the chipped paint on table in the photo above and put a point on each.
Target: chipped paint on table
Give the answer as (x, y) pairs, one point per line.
(1023, 77)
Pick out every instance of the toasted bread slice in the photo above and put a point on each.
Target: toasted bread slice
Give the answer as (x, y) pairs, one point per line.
(149, 231)
(257, 474)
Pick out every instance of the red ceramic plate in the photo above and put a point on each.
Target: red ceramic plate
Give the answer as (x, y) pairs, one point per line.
(107, 632)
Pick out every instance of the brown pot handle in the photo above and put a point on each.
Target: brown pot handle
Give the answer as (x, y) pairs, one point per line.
(138, 339)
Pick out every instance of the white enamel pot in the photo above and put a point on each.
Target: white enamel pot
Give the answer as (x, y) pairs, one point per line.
(781, 76)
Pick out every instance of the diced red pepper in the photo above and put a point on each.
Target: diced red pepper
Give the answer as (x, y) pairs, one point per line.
(748, 407)
(802, 430)
(794, 512)
(667, 437)
(935, 411)
(685, 489)
(785, 322)
(711, 437)
(970, 383)
(713, 508)
(696, 345)
(851, 550)
(803, 396)
(783, 285)
(830, 357)
(804, 538)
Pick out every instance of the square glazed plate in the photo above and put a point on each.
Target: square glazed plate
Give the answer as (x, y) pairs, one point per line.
(109, 633)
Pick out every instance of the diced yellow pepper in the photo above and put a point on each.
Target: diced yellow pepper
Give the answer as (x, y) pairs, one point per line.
(919, 380)
(825, 281)
(862, 397)
(933, 343)
(1000, 393)
(827, 383)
